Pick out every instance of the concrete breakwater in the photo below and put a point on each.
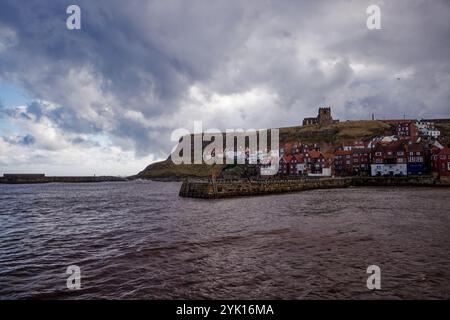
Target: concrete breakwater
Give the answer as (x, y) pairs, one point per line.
(30, 179)
(238, 188)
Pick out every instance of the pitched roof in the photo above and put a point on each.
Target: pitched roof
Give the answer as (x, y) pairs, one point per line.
(287, 146)
(328, 155)
(342, 152)
(445, 151)
(300, 158)
(287, 158)
(315, 154)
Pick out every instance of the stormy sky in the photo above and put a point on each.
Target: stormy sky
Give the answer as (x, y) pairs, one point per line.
(104, 99)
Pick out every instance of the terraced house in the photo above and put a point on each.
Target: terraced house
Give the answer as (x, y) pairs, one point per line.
(389, 160)
(418, 159)
(343, 162)
(441, 163)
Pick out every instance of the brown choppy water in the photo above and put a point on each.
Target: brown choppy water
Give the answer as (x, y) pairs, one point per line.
(140, 240)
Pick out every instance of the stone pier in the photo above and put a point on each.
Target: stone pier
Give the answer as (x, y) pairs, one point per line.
(238, 188)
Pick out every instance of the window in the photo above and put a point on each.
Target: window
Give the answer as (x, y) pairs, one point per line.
(400, 153)
(442, 157)
(448, 166)
(417, 153)
(378, 154)
(400, 160)
(389, 153)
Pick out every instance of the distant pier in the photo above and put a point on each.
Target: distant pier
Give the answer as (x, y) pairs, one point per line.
(42, 178)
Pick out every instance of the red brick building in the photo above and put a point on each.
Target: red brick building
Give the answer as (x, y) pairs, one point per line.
(301, 165)
(404, 128)
(285, 165)
(389, 159)
(441, 162)
(361, 161)
(352, 162)
(316, 162)
(293, 165)
(343, 162)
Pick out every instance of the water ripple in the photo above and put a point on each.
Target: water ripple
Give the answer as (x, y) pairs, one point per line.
(139, 240)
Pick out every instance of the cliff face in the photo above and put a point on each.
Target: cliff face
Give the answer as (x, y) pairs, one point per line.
(327, 137)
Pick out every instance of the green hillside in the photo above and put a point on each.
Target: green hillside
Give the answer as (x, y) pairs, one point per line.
(167, 170)
(327, 137)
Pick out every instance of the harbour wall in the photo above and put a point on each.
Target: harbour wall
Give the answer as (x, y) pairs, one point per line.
(239, 188)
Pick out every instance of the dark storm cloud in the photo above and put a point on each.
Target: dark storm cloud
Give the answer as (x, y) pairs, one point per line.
(107, 42)
(116, 45)
(128, 72)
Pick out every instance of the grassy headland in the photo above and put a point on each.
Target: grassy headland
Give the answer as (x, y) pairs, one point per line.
(327, 137)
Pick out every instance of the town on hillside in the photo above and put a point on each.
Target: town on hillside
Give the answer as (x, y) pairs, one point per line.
(413, 149)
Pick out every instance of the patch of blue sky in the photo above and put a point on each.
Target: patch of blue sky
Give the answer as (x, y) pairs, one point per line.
(10, 96)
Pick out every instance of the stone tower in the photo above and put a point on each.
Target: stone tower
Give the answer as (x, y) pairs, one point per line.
(324, 116)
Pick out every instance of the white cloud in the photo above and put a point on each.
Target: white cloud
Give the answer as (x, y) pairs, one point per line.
(142, 70)
(8, 38)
